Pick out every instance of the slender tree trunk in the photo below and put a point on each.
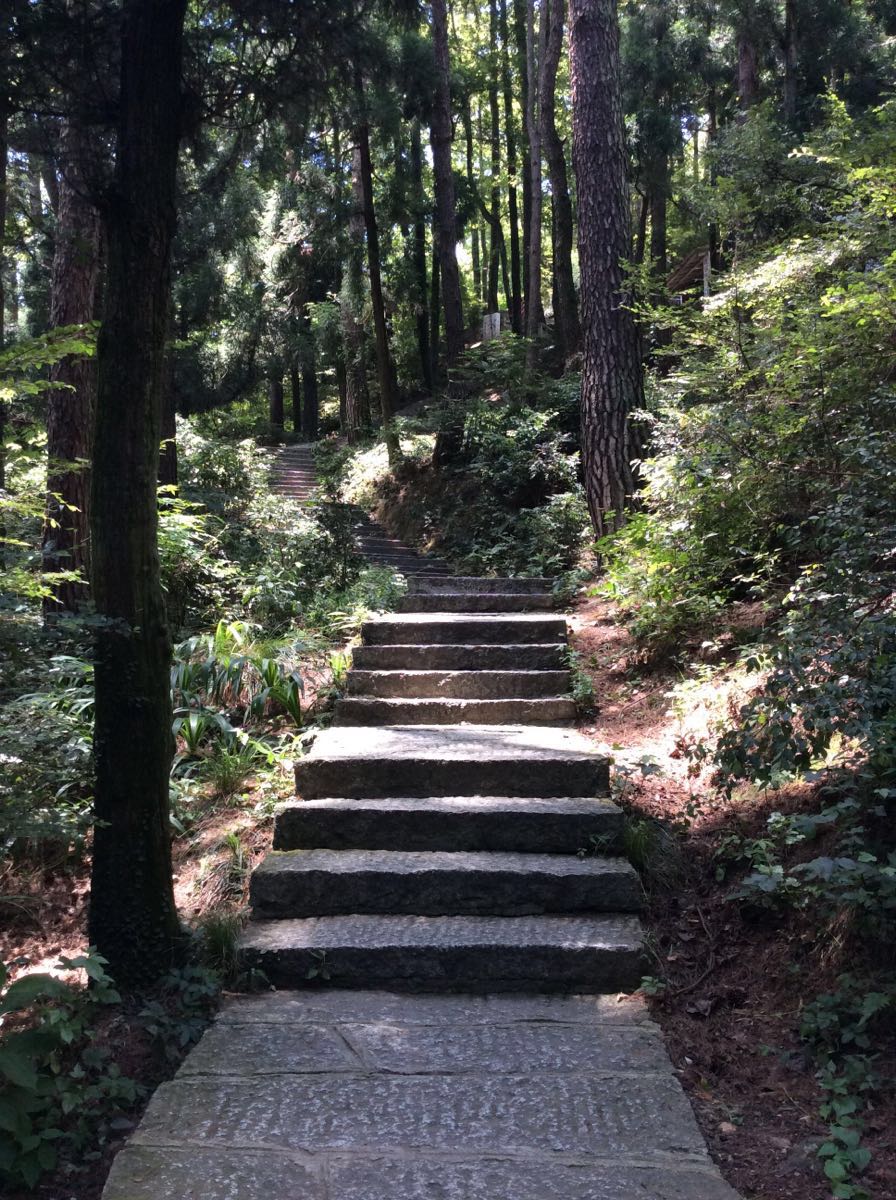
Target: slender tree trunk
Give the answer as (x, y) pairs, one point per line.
(612, 381)
(534, 65)
(4, 154)
(435, 305)
(494, 257)
(295, 395)
(133, 919)
(520, 25)
(791, 61)
(168, 447)
(310, 398)
(384, 369)
(516, 302)
(471, 183)
(342, 389)
(421, 303)
(659, 198)
(357, 397)
(276, 411)
(641, 234)
(566, 305)
(441, 138)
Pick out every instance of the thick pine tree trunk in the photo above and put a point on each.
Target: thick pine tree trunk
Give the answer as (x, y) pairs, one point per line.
(520, 23)
(133, 919)
(612, 381)
(566, 306)
(70, 408)
(422, 300)
(384, 369)
(747, 70)
(516, 301)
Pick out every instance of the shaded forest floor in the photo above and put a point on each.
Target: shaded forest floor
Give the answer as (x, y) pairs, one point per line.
(731, 980)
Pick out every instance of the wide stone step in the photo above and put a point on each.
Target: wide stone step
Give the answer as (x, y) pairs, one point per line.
(359, 710)
(562, 825)
(534, 656)
(469, 760)
(316, 883)
(479, 583)
(458, 685)
(488, 602)
(447, 628)
(450, 954)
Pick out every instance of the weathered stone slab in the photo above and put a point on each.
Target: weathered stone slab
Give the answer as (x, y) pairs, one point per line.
(300, 883)
(257, 1049)
(457, 685)
(607, 1115)
(478, 583)
(453, 954)
(195, 1173)
(370, 710)
(519, 1179)
(468, 760)
(535, 656)
(340, 1007)
(496, 1049)
(492, 601)
(487, 628)
(561, 825)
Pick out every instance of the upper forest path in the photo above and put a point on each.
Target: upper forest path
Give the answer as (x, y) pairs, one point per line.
(446, 913)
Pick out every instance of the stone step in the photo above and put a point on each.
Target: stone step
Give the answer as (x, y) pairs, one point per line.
(324, 883)
(449, 628)
(477, 583)
(487, 602)
(472, 760)
(362, 710)
(450, 954)
(534, 656)
(563, 825)
(458, 685)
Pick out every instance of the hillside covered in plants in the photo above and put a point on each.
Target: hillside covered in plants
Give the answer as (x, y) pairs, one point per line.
(599, 293)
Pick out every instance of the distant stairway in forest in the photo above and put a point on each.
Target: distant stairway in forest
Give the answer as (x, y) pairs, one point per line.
(293, 474)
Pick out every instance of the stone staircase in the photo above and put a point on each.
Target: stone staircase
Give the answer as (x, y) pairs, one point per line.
(453, 832)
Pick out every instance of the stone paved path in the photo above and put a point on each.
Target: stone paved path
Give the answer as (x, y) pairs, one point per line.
(448, 916)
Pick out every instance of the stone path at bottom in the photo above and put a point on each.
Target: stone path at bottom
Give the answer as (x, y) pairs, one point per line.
(358, 1095)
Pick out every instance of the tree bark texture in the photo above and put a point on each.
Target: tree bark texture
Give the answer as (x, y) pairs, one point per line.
(612, 380)
(384, 369)
(536, 29)
(494, 245)
(441, 137)
(357, 397)
(791, 61)
(566, 305)
(133, 919)
(471, 184)
(310, 396)
(73, 301)
(276, 410)
(516, 302)
(520, 23)
(422, 300)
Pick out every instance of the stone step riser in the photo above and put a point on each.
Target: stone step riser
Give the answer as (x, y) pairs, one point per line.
(471, 583)
(539, 960)
(376, 778)
(564, 826)
(488, 602)
(549, 656)
(437, 890)
(363, 711)
(457, 685)
(484, 631)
